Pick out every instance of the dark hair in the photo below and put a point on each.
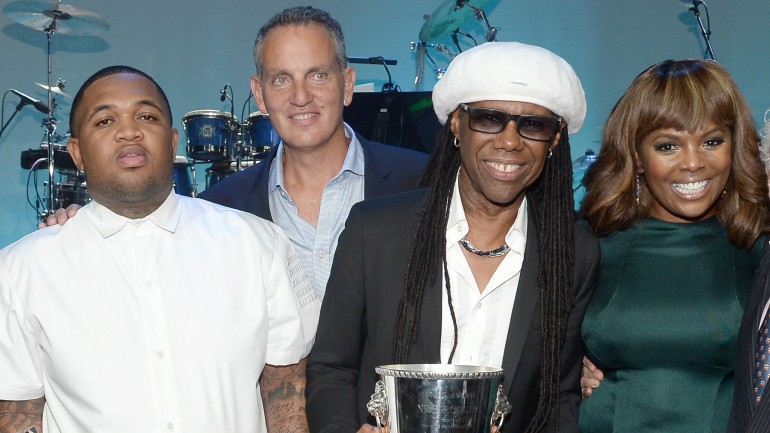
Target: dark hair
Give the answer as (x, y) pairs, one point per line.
(681, 95)
(102, 73)
(554, 213)
(303, 15)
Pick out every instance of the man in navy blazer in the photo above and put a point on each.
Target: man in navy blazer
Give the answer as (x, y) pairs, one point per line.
(389, 170)
(321, 168)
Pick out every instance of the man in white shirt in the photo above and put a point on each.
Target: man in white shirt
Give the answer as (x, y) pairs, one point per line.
(108, 323)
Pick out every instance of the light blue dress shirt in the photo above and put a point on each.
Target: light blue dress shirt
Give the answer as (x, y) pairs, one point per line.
(316, 245)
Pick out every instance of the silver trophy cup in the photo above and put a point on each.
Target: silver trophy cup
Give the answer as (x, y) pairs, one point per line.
(438, 398)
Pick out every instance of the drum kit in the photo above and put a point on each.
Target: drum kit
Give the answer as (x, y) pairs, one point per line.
(213, 136)
(218, 137)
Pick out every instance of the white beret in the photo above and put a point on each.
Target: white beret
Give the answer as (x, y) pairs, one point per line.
(511, 71)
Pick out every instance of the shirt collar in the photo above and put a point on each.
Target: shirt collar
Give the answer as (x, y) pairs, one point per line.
(108, 222)
(457, 225)
(354, 160)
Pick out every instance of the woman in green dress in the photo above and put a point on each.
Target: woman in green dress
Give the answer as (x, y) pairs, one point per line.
(679, 199)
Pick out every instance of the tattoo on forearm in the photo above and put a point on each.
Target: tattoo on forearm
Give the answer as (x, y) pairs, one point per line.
(16, 416)
(283, 395)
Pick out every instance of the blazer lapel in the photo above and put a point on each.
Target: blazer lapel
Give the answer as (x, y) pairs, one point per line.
(428, 347)
(376, 181)
(524, 305)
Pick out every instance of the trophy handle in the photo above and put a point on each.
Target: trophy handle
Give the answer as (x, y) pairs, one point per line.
(378, 404)
(502, 408)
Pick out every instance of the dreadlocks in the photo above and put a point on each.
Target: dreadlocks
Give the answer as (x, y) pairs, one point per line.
(553, 202)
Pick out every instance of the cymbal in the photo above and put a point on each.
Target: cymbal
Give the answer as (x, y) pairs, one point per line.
(69, 20)
(447, 17)
(55, 89)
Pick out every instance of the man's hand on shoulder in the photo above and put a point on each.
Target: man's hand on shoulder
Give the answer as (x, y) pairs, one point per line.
(60, 216)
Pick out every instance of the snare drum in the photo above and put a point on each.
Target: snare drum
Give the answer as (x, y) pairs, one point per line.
(184, 177)
(211, 134)
(261, 135)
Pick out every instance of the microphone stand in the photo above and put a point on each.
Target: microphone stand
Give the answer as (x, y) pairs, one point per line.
(705, 33)
(232, 126)
(387, 87)
(21, 105)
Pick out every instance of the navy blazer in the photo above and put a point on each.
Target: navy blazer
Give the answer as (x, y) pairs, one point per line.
(744, 417)
(387, 170)
(358, 316)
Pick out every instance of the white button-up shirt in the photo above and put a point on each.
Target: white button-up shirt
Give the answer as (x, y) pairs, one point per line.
(152, 325)
(483, 318)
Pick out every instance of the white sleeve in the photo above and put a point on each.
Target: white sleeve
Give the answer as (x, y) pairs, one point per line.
(292, 306)
(21, 376)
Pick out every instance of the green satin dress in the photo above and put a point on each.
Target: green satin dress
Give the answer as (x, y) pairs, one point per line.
(663, 326)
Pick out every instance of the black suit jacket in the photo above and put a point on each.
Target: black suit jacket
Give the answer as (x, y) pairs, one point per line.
(387, 170)
(358, 316)
(744, 417)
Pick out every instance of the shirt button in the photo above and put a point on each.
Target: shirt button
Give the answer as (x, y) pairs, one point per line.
(320, 255)
(160, 354)
(170, 426)
(148, 284)
(478, 306)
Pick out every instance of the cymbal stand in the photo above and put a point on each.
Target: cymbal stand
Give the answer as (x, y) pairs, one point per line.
(491, 33)
(703, 31)
(456, 40)
(50, 122)
(422, 53)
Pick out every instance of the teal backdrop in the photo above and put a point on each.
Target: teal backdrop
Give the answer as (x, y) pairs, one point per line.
(193, 48)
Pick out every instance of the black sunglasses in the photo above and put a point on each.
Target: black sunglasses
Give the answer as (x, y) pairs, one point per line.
(529, 126)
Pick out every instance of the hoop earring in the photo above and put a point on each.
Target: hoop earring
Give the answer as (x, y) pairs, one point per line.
(456, 142)
(637, 189)
(550, 154)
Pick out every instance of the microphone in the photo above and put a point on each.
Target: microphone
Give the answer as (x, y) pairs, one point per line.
(372, 61)
(223, 93)
(26, 99)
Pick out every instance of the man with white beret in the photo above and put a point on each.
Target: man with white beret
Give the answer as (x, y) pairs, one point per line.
(484, 266)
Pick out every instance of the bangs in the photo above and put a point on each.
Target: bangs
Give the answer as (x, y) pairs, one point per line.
(685, 95)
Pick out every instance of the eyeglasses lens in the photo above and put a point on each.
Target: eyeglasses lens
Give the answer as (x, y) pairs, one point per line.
(533, 127)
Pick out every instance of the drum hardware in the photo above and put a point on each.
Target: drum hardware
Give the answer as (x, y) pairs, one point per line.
(704, 31)
(53, 17)
(220, 170)
(58, 88)
(236, 128)
(448, 17)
